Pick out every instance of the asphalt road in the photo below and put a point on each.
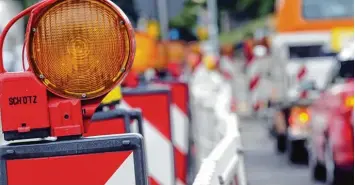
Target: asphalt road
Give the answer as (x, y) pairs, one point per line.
(263, 165)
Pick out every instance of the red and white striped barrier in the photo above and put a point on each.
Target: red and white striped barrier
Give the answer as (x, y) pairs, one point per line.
(88, 160)
(105, 169)
(302, 72)
(180, 124)
(155, 106)
(254, 82)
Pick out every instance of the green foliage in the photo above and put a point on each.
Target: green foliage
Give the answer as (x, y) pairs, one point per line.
(188, 17)
(239, 34)
(252, 8)
(263, 7)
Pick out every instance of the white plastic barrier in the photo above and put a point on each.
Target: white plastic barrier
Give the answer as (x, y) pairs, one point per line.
(225, 164)
(205, 85)
(216, 134)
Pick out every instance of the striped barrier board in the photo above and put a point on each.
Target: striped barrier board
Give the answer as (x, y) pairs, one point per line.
(114, 122)
(154, 103)
(104, 160)
(254, 73)
(302, 72)
(180, 123)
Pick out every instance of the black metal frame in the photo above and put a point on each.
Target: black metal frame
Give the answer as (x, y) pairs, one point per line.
(127, 116)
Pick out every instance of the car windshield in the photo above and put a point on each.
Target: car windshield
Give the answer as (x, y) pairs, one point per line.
(309, 52)
(328, 9)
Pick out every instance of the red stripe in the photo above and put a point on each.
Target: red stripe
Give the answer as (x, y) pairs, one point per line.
(256, 106)
(301, 73)
(155, 108)
(304, 94)
(254, 82)
(74, 169)
(250, 61)
(235, 179)
(180, 97)
(152, 181)
(180, 165)
(234, 105)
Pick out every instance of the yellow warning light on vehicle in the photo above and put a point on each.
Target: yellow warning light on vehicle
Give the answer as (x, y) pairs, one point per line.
(146, 52)
(82, 56)
(340, 37)
(349, 102)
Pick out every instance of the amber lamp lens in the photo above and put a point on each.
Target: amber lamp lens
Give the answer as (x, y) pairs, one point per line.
(162, 60)
(81, 49)
(195, 47)
(176, 52)
(146, 53)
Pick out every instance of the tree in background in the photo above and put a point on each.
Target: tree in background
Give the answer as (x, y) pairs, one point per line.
(188, 17)
(240, 9)
(257, 8)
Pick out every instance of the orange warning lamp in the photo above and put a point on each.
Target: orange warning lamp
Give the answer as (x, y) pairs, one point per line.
(146, 52)
(176, 51)
(78, 51)
(194, 47)
(162, 59)
(227, 50)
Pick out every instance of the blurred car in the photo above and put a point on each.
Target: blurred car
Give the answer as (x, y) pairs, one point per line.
(331, 143)
(307, 36)
(293, 126)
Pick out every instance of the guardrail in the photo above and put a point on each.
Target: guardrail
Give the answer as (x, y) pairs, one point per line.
(218, 143)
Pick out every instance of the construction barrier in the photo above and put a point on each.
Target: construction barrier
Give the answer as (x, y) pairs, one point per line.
(114, 122)
(154, 103)
(180, 124)
(105, 160)
(218, 142)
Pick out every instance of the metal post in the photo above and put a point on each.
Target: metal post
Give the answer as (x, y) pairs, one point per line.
(213, 25)
(225, 22)
(163, 18)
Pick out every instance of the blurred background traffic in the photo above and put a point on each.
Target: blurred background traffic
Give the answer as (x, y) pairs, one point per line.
(290, 63)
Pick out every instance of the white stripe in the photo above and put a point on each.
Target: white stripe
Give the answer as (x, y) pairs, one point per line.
(180, 129)
(134, 127)
(124, 174)
(179, 182)
(159, 153)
